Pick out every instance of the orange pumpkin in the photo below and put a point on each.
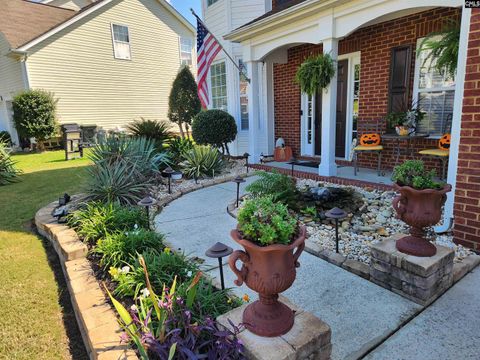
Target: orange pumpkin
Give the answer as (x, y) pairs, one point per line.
(444, 142)
(370, 140)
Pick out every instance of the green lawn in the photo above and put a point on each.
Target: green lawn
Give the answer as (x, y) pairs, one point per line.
(36, 320)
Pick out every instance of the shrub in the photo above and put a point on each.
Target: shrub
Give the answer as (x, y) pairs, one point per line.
(97, 220)
(124, 169)
(8, 172)
(281, 188)
(5, 138)
(116, 249)
(412, 173)
(178, 147)
(266, 222)
(183, 102)
(214, 127)
(34, 114)
(157, 131)
(202, 161)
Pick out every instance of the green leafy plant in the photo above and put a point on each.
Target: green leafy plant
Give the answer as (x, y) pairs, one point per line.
(412, 173)
(96, 220)
(183, 103)
(281, 188)
(315, 73)
(34, 115)
(5, 138)
(178, 147)
(443, 47)
(202, 161)
(214, 127)
(309, 211)
(157, 131)
(8, 172)
(116, 249)
(266, 222)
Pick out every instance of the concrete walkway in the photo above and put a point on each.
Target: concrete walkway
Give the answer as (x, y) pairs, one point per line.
(362, 315)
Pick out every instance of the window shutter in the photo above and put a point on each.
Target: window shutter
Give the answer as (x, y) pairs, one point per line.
(399, 85)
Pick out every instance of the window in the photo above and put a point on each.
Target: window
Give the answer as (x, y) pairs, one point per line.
(186, 51)
(356, 99)
(434, 94)
(121, 42)
(218, 79)
(211, 2)
(243, 97)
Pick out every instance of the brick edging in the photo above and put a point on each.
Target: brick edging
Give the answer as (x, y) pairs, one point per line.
(330, 179)
(96, 319)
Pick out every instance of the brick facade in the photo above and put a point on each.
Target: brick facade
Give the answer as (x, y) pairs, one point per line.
(375, 43)
(467, 195)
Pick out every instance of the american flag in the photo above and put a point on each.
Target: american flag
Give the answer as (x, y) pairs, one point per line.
(207, 50)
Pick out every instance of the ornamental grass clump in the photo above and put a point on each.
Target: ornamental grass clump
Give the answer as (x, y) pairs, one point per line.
(412, 173)
(265, 222)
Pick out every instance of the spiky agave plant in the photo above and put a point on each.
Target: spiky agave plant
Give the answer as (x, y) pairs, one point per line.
(202, 161)
(157, 131)
(442, 47)
(8, 172)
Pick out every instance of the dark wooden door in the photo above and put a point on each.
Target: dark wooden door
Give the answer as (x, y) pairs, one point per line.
(341, 119)
(342, 88)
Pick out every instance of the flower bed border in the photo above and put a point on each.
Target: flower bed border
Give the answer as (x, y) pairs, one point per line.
(95, 316)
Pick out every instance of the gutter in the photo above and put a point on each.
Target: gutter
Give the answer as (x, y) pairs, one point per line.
(448, 216)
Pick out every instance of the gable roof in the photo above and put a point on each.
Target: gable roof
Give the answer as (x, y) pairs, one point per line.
(22, 21)
(282, 6)
(25, 23)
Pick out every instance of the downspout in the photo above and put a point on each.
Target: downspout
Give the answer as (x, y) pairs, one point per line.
(456, 122)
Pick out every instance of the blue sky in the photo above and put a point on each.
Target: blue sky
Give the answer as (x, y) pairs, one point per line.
(183, 6)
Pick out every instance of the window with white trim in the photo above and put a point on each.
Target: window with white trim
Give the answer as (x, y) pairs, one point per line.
(186, 51)
(243, 82)
(121, 42)
(218, 81)
(433, 94)
(356, 100)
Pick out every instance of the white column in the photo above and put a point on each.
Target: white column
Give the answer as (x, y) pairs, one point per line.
(329, 109)
(269, 109)
(253, 110)
(456, 120)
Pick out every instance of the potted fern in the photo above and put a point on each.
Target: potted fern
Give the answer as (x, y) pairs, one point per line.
(315, 73)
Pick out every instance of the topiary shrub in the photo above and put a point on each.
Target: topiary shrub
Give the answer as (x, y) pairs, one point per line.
(34, 115)
(183, 102)
(214, 127)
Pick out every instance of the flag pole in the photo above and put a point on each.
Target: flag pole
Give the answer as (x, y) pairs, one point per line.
(226, 53)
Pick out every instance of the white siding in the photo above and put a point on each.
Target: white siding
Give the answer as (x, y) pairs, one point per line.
(221, 18)
(93, 87)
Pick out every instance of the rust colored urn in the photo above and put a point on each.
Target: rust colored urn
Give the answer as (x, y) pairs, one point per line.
(419, 209)
(268, 270)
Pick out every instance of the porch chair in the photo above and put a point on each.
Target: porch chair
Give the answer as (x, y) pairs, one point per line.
(442, 153)
(369, 142)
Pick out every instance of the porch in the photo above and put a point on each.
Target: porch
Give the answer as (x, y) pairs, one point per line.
(379, 71)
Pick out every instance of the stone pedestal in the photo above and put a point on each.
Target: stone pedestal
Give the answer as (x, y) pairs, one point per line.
(310, 337)
(420, 279)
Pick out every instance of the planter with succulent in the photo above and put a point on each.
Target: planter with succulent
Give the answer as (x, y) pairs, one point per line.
(315, 73)
(419, 205)
(405, 122)
(270, 235)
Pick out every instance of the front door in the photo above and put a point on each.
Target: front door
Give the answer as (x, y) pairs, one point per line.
(341, 123)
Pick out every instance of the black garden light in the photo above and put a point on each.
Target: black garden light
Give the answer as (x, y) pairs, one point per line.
(168, 173)
(336, 214)
(219, 251)
(147, 202)
(246, 156)
(293, 162)
(238, 180)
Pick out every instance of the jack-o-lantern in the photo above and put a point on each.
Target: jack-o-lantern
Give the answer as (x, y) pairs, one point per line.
(444, 142)
(370, 140)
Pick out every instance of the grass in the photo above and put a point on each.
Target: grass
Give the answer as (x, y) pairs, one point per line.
(37, 320)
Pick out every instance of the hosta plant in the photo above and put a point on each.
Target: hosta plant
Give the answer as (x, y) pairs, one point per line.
(266, 222)
(161, 326)
(8, 172)
(202, 161)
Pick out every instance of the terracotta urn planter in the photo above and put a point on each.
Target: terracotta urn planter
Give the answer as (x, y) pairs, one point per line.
(269, 271)
(419, 209)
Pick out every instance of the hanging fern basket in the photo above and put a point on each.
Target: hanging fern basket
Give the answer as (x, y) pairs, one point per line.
(315, 73)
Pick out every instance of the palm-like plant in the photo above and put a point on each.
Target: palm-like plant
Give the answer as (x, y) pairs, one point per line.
(8, 172)
(157, 131)
(442, 47)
